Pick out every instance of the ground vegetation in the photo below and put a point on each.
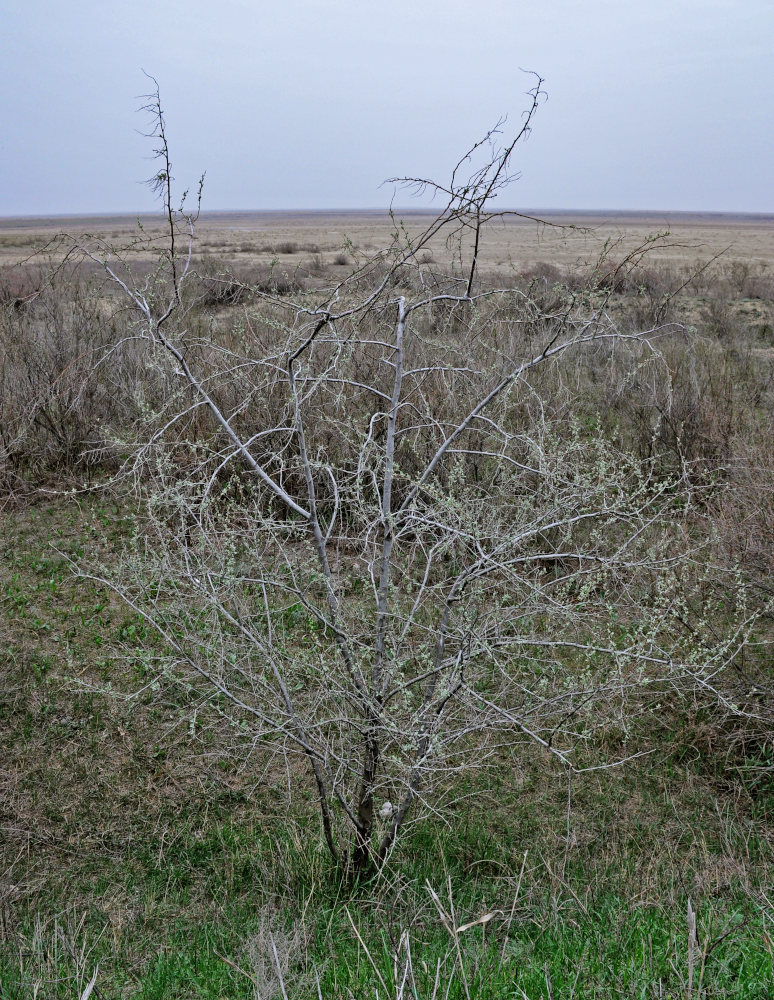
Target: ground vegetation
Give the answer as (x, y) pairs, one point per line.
(402, 631)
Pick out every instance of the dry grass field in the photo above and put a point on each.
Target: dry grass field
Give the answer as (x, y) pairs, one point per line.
(567, 239)
(147, 837)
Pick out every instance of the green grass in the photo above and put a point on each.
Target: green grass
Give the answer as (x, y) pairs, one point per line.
(218, 894)
(137, 842)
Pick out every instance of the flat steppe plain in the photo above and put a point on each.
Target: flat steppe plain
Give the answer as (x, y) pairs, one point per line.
(563, 239)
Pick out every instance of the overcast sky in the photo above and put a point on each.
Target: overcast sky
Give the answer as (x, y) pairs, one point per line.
(652, 104)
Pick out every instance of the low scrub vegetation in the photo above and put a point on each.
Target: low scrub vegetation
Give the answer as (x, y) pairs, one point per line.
(404, 633)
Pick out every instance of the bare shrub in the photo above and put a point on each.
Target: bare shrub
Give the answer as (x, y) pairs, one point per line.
(542, 274)
(19, 285)
(223, 290)
(398, 546)
(220, 284)
(316, 264)
(58, 407)
(719, 320)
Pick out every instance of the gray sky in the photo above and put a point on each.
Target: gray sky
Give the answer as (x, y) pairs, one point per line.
(652, 104)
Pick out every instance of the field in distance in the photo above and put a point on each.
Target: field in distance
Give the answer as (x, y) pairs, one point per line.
(512, 244)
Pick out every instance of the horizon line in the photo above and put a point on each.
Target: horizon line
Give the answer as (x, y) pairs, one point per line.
(529, 214)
